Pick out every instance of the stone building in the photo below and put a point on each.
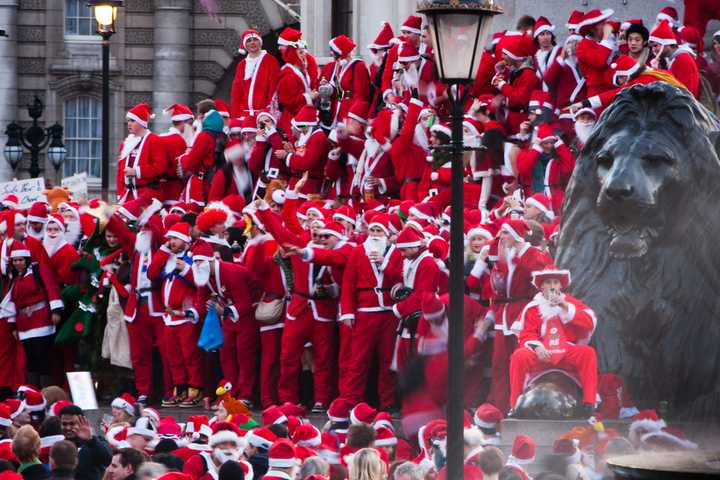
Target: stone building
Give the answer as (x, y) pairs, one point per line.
(164, 51)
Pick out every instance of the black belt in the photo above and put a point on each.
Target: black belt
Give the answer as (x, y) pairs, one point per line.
(374, 289)
(518, 109)
(411, 180)
(492, 301)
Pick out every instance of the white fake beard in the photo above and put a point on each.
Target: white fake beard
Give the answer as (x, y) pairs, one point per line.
(421, 138)
(201, 273)
(223, 456)
(143, 241)
(51, 244)
(472, 141)
(375, 244)
(378, 58)
(72, 232)
(410, 77)
(583, 130)
(188, 134)
(33, 234)
(131, 141)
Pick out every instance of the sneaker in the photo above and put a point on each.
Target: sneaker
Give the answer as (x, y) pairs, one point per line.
(142, 400)
(169, 401)
(318, 408)
(193, 398)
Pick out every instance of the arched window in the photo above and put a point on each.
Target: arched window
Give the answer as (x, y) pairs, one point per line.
(83, 133)
(79, 19)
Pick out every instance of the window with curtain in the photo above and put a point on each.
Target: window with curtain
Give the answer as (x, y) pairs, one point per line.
(79, 18)
(342, 13)
(83, 134)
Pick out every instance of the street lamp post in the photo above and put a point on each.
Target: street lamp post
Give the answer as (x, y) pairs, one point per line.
(458, 30)
(105, 16)
(35, 138)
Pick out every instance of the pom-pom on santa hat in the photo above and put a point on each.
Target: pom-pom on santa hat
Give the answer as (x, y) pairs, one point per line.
(542, 24)
(125, 402)
(248, 34)
(342, 45)
(140, 113)
(282, 454)
(384, 37)
(179, 112)
(663, 34)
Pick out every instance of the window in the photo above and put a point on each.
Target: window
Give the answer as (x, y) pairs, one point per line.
(342, 13)
(83, 132)
(79, 18)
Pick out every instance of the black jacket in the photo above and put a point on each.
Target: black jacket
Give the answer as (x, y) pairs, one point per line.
(62, 474)
(93, 457)
(36, 472)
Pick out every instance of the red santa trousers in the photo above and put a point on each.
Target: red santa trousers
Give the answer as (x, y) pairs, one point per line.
(238, 355)
(373, 335)
(344, 354)
(183, 354)
(503, 347)
(146, 332)
(270, 342)
(296, 333)
(579, 359)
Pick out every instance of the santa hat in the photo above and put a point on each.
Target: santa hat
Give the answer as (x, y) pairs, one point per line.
(140, 113)
(668, 14)
(382, 221)
(125, 402)
(225, 432)
(523, 450)
(289, 408)
(691, 37)
(329, 448)
(261, 438)
(184, 476)
(209, 218)
(443, 128)
(54, 410)
(152, 414)
(264, 115)
(517, 47)
(487, 416)
(57, 219)
(5, 420)
(592, 18)
(545, 133)
(362, 413)
(10, 201)
(289, 37)
(628, 23)
(567, 447)
(339, 410)
(551, 273)
(540, 100)
(517, 228)
(198, 424)
(143, 427)
(202, 251)
(334, 229)
(344, 213)
(384, 37)
(647, 420)
(474, 125)
(342, 45)
(542, 24)
(248, 124)
(306, 117)
(117, 436)
(132, 209)
(669, 435)
(432, 308)
(663, 34)
(427, 211)
(576, 16)
(410, 237)
(168, 428)
(587, 110)
(542, 203)
(273, 415)
(33, 399)
(359, 111)
(412, 24)
(282, 454)
(623, 66)
(222, 108)
(38, 212)
(248, 34)
(16, 407)
(408, 52)
(307, 435)
(179, 112)
(181, 231)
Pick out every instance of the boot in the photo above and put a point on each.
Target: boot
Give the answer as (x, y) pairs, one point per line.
(193, 399)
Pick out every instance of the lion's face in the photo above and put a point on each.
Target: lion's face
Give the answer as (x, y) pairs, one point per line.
(636, 170)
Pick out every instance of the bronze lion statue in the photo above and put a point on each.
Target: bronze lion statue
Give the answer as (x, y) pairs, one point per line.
(641, 236)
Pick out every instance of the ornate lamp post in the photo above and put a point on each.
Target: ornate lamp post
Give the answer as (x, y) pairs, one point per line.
(35, 139)
(458, 30)
(105, 16)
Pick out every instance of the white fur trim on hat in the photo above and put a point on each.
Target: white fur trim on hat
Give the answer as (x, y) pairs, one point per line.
(20, 254)
(604, 15)
(144, 432)
(380, 226)
(224, 436)
(506, 227)
(282, 462)
(479, 231)
(132, 116)
(386, 442)
(664, 16)
(179, 236)
(357, 118)
(123, 404)
(548, 213)
(680, 442)
(662, 41)
(438, 127)
(544, 28)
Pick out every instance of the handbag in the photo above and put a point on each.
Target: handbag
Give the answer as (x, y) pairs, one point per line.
(211, 335)
(269, 312)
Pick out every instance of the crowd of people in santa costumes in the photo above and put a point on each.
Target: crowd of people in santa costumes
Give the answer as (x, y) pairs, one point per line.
(307, 221)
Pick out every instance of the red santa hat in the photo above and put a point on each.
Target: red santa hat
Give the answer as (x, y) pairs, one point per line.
(339, 410)
(540, 100)
(412, 24)
(225, 432)
(427, 211)
(517, 228)
(307, 435)
(647, 420)
(143, 427)
(551, 273)
(16, 407)
(264, 115)
(329, 449)
(179, 112)
(362, 413)
(487, 416)
(282, 454)
(334, 229)
(152, 414)
(5, 420)
(306, 117)
(222, 108)
(248, 34)
(523, 450)
(182, 476)
(273, 415)
(382, 221)
(181, 231)
(57, 219)
(198, 424)
(432, 307)
(342, 45)
(545, 133)
(55, 408)
(474, 125)
(592, 18)
(584, 110)
(408, 52)
(568, 447)
(384, 36)
(410, 237)
(344, 213)
(168, 428)
(385, 437)
(517, 47)
(202, 251)
(672, 437)
(542, 203)
(623, 66)
(235, 125)
(359, 111)
(132, 209)
(289, 408)
(443, 128)
(542, 24)
(38, 212)
(248, 124)
(140, 113)
(663, 34)
(576, 16)
(668, 14)
(691, 37)
(10, 201)
(628, 23)
(289, 37)
(479, 231)
(261, 438)
(209, 218)
(125, 402)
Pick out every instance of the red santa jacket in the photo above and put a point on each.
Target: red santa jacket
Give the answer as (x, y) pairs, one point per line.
(311, 151)
(147, 158)
(175, 146)
(61, 260)
(650, 75)
(351, 82)
(387, 74)
(518, 90)
(293, 91)
(241, 184)
(578, 322)
(484, 74)
(408, 158)
(194, 164)
(257, 257)
(593, 58)
(184, 453)
(366, 286)
(178, 288)
(543, 60)
(201, 467)
(557, 172)
(434, 182)
(339, 174)
(254, 84)
(263, 160)
(421, 275)
(684, 68)
(29, 302)
(335, 258)
(565, 82)
(375, 162)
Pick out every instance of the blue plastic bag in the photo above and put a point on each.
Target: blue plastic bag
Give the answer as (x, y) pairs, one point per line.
(211, 335)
